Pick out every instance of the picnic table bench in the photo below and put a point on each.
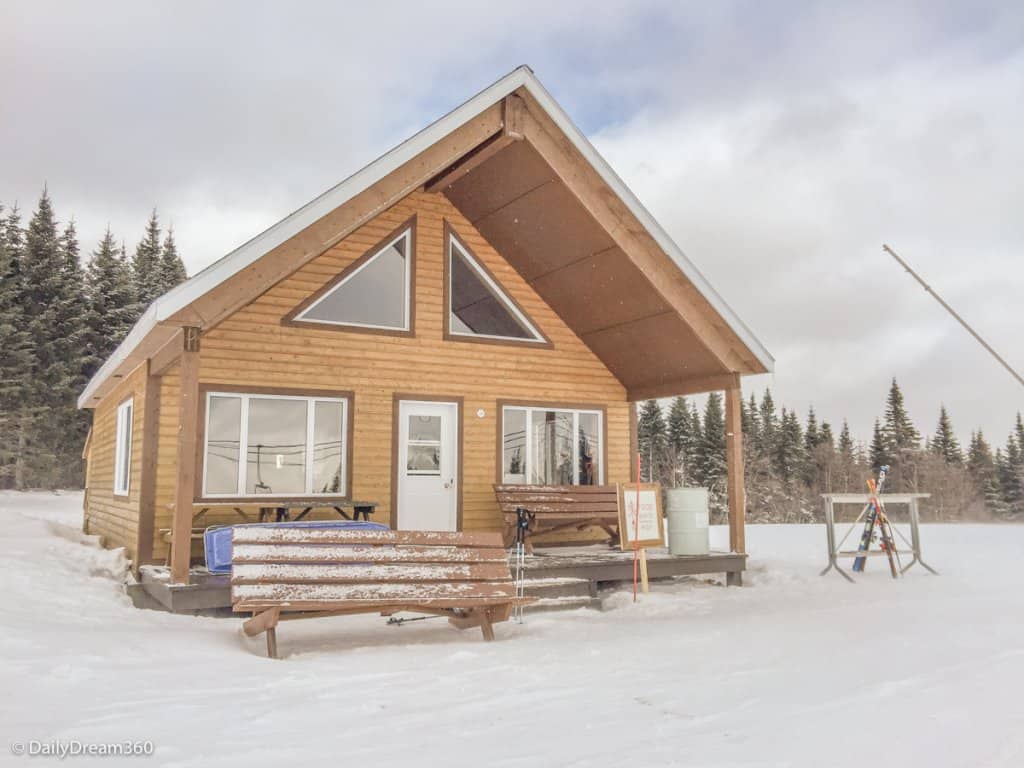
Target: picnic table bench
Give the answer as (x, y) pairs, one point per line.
(554, 508)
(276, 510)
(279, 574)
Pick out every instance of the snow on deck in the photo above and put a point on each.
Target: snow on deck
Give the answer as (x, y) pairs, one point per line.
(791, 670)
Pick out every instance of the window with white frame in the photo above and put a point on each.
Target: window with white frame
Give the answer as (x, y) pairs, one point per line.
(123, 448)
(280, 445)
(551, 446)
(375, 294)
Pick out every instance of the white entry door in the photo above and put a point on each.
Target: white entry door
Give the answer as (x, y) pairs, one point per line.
(428, 465)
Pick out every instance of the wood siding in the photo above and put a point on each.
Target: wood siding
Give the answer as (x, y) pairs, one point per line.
(111, 516)
(253, 348)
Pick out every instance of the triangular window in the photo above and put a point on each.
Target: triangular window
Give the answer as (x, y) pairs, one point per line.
(372, 292)
(477, 306)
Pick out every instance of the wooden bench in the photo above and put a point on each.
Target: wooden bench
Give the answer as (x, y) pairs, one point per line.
(280, 574)
(558, 508)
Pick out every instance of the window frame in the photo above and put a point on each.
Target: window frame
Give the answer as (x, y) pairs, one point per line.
(246, 394)
(406, 230)
(576, 409)
(453, 239)
(124, 418)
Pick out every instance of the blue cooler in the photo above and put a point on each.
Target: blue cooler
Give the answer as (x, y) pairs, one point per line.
(217, 540)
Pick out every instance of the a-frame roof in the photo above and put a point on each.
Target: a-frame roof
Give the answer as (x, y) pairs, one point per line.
(442, 157)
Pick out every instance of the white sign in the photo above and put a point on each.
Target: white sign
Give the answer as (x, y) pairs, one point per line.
(641, 523)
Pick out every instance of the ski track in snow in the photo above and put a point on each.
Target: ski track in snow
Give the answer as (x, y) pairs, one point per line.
(792, 670)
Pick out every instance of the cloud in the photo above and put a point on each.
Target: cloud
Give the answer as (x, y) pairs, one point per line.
(780, 144)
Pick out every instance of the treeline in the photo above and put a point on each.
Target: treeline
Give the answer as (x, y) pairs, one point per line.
(59, 320)
(790, 462)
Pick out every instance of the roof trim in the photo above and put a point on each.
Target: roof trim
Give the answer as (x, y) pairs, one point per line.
(205, 280)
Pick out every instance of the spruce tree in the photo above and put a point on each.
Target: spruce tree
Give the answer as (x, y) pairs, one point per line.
(899, 432)
(769, 426)
(789, 448)
(43, 269)
(812, 438)
(752, 421)
(981, 466)
(845, 446)
(652, 436)
(681, 438)
(72, 424)
(879, 454)
(17, 355)
(171, 269)
(1008, 471)
(712, 458)
(146, 266)
(944, 442)
(827, 439)
(110, 300)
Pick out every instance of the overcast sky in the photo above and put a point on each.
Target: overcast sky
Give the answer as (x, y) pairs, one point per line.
(780, 145)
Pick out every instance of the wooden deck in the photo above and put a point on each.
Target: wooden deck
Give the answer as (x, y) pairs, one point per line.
(592, 568)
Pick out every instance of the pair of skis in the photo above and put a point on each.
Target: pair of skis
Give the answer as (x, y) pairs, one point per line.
(876, 517)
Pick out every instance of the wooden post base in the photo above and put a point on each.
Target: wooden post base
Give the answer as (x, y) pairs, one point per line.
(734, 579)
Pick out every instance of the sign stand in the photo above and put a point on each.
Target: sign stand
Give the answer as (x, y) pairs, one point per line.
(640, 526)
(835, 550)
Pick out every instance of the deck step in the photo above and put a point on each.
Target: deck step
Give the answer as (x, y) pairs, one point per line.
(562, 586)
(568, 603)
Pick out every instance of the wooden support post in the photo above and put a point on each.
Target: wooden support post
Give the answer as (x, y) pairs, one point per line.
(188, 423)
(147, 483)
(634, 441)
(645, 584)
(734, 462)
(485, 624)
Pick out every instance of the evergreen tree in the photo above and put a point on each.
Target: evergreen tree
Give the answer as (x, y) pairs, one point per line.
(789, 448)
(752, 421)
(711, 459)
(146, 265)
(769, 426)
(845, 441)
(652, 436)
(43, 270)
(17, 359)
(71, 424)
(682, 439)
(110, 295)
(901, 437)
(1009, 475)
(879, 455)
(827, 438)
(982, 468)
(694, 446)
(171, 268)
(944, 442)
(811, 470)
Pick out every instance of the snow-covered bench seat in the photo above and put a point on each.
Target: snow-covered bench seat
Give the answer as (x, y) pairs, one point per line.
(282, 573)
(553, 508)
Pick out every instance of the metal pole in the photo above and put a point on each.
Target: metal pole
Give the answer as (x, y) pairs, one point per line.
(952, 311)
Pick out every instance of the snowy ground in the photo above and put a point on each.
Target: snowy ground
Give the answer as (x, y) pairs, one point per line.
(791, 670)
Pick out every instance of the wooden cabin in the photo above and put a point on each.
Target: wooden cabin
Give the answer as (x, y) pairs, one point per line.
(483, 304)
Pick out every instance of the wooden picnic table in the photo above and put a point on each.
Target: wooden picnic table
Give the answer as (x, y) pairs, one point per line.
(280, 510)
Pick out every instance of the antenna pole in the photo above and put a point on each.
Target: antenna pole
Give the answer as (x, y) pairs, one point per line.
(953, 312)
